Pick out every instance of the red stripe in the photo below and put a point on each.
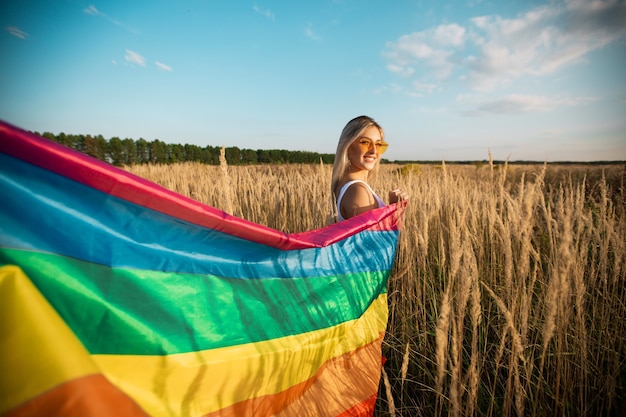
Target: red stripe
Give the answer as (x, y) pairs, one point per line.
(364, 409)
(99, 175)
(92, 395)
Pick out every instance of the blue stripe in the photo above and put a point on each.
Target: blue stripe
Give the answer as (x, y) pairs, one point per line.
(46, 212)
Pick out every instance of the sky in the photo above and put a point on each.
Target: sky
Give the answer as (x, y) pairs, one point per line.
(447, 80)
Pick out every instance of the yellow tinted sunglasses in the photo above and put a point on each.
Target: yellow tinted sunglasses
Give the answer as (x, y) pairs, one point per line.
(367, 143)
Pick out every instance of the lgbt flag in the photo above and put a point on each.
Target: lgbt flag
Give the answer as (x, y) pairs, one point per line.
(119, 297)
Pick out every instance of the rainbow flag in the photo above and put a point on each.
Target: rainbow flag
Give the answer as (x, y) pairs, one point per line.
(119, 297)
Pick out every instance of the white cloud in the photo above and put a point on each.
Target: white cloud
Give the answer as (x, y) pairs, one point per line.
(264, 12)
(542, 41)
(404, 71)
(17, 32)
(134, 58)
(434, 48)
(163, 66)
(493, 51)
(449, 35)
(516, 103)
(309, 33)
(425, 87)
(91, 9)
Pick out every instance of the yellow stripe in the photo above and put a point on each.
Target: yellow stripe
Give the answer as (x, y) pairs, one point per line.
(194, 384)
(37, 349)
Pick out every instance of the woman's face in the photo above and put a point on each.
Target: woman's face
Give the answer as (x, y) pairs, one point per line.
(363, 155)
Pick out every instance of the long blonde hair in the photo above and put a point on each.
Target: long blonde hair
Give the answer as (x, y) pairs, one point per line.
(352, 131)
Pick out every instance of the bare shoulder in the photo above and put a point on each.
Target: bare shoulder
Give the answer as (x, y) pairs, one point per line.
(357, 199)
(358, 190)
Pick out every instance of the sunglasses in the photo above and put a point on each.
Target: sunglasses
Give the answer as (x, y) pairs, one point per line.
(366, 144)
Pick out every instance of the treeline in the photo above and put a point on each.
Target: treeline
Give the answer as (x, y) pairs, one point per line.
(120, 152)
(515, 162)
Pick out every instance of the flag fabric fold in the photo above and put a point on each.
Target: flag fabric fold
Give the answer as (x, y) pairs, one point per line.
(119, 297)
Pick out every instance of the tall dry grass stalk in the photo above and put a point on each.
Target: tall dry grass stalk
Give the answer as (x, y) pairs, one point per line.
(391, 405)
(227, 188)
(508, 296)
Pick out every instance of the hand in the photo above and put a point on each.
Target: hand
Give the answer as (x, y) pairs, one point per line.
(397, 195)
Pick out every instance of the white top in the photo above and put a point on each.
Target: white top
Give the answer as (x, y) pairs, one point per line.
(343, 190)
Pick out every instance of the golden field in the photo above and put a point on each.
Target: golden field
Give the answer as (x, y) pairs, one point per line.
(508, 296)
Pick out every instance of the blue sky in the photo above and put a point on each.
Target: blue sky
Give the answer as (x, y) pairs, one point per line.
(528, 80)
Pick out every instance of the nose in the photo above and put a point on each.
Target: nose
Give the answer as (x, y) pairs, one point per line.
(373, 149)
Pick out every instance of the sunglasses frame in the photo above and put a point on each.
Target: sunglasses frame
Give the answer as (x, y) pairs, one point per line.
(381, 146)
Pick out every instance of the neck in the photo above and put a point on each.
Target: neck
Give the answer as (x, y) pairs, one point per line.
(357, 175)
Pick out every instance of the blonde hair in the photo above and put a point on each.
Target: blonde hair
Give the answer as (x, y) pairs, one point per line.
(352, 131)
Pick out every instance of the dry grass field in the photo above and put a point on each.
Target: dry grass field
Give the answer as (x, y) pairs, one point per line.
(508, 295)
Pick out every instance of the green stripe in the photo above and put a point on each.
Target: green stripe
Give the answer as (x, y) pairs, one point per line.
(121, 311)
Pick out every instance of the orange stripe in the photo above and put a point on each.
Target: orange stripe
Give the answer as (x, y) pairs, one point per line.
(91, 395)
(348, 385)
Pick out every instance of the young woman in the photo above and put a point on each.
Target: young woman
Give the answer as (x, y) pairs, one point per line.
(361, 144)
